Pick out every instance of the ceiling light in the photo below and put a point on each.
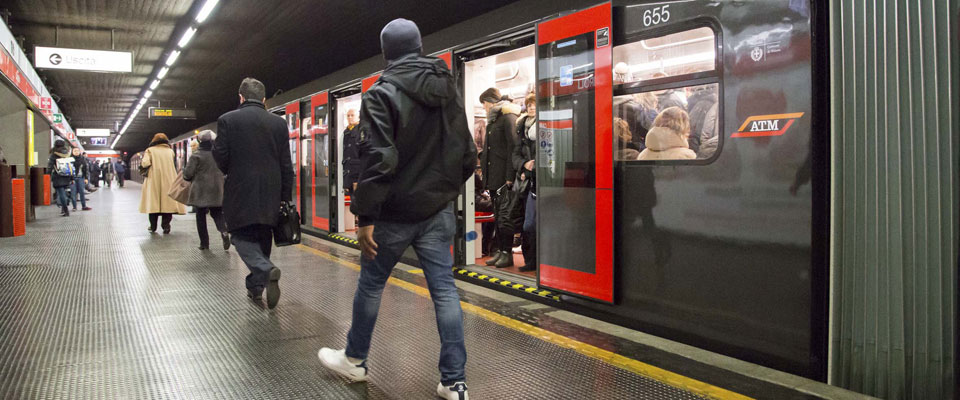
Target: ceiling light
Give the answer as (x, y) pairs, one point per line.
(173, 57)
(163, 72)
(187, 36)
(206, 10)
(155, 83)
(148, 94)
(143, 100)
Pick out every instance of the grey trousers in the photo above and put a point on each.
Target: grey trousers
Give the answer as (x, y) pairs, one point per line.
(253, 244)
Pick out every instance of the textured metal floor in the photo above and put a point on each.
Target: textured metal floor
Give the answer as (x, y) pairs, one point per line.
(94, 306)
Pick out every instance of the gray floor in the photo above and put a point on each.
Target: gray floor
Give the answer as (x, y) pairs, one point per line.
(95, 306)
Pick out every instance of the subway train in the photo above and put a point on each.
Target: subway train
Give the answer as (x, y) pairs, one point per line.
(726, 250)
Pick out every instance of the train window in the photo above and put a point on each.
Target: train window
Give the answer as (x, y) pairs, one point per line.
(666, 101)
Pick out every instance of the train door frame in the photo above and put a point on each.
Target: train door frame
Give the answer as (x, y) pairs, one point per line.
(337, 204)
(501, 42)
(314, 221)
(600, 285)
(303, 124)
(294, 133)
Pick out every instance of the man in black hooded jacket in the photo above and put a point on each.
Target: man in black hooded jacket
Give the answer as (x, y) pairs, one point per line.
(416, 151)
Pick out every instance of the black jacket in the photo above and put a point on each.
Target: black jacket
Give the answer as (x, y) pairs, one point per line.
(497, 162)
(415, 148)
(252, 150)
(55, 178)
(526, 150)
(80, 162)
(351, 156)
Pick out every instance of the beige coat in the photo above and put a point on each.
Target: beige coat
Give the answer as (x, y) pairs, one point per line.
(159, 180)
(665, 144)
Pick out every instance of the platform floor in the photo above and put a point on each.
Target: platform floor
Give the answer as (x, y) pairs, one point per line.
(94, 306)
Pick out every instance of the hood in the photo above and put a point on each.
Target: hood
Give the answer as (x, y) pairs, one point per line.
(426, 80)
(660, 139)
(502, 108)
(62, 153)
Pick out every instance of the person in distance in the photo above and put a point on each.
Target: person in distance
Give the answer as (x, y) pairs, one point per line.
(252, 150)
(206, 189)
(159, 160)
(416, 151)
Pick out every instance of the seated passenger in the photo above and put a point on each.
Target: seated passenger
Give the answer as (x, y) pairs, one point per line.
(667, 140)
(626, 149)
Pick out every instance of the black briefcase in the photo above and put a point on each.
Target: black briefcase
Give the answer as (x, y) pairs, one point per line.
(287, 230)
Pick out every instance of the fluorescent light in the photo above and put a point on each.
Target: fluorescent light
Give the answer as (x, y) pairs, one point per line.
(173, 57)
(163, 72)
(155, 83)
(147, 94)
(206, 10)
(187, 36)
(143, 100)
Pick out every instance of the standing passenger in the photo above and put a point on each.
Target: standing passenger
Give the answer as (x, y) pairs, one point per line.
(524, 157)
(206, 189)
(351, 152)
(120, 170)
(253, 151)
(417, 151)
(95, 173)
(61, 174)
(161, 173)
(79, 180)
(497, 166)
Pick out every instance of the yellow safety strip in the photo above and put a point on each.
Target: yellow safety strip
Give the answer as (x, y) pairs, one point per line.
(609, 357)
(344, 239)
(507, 284)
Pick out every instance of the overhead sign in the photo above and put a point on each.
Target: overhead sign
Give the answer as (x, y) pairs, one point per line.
(58, 118)
(98, 141)
(83, 60)
(93, 132)
(46, 103)
(172, 113)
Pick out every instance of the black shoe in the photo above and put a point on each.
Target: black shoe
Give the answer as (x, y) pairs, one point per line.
(255, 296)
(506, 260)
(203, 247)
(226, 240)
(527, 268)
(166, 231)
(495, 259)
(152, 229)
(273, 288)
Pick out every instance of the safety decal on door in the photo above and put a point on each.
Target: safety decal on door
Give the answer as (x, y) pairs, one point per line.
(766, 125)
(603, 37)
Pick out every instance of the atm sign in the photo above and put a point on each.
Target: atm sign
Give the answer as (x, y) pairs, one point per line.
(767, 125)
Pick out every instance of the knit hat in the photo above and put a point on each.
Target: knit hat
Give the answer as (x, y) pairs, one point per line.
(59, 143)
(491, 95)
(399, 38)
(206, 135)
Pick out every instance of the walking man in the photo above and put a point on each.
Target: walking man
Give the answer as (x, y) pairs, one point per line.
(415, 151)
(251, 149)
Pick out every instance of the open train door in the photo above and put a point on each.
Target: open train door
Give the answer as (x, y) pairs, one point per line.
(292, 116)
(575, 159)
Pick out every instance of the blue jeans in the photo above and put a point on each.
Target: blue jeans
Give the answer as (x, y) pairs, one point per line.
(79, 190)
(432, 240)
(61, 196)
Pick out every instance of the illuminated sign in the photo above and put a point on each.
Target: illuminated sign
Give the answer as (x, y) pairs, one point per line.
(83, 60)
(98, 141)
(171, 113)
(766, 125)
(93, 132)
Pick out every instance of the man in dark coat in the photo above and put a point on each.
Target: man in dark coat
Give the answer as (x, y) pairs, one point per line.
(94, 173)
(416, 152)
(497, 163)
(120, 170)
(252, 150)
(351, 152)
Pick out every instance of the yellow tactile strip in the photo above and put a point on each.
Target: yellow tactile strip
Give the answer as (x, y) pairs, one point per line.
(628, 364)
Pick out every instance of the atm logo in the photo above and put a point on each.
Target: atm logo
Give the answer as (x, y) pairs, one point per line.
(766, 125)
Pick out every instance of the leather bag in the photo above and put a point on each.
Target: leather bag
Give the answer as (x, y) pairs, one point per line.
(180, 191)
(287, 230)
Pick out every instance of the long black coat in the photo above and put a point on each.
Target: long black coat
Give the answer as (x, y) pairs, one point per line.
(253, 152)
(497, 162)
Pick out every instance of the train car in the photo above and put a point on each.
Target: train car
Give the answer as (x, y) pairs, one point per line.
(716, 238)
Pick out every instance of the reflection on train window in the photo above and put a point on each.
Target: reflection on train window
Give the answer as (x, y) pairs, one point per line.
(669, 124)
(675, 54)
(667, 103)
(512, 73)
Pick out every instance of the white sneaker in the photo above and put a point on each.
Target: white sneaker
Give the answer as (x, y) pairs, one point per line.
(458, 391)
(337, 361)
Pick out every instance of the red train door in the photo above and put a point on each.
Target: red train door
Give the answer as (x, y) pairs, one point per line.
(320, 161)
(292, 116)
(575, 160)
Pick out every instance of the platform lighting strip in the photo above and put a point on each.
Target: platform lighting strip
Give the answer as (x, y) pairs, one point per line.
(188, 35)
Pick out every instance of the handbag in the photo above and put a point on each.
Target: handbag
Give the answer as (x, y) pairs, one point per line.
(180, 190)
(287, 230)
(143, 170)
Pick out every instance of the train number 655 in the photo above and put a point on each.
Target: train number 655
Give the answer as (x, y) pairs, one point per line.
(656, 15)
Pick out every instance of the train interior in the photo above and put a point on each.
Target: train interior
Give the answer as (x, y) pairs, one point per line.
(514, 74)
(346, 221)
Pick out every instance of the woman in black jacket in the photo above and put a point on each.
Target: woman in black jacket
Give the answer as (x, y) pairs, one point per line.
(524, 161)
(59, 176)
(79, 180)
(206, 190)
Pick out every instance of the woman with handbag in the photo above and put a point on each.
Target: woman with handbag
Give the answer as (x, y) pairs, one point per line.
(159, 173)
(524, 161)
(206, 189)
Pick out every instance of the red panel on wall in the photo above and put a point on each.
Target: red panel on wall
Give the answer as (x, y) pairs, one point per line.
(19, 207)
(46, 190)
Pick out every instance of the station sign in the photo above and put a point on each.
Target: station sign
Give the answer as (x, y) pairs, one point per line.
(98, 141)
(57, 118)
(171, 113)
(83, 60)
(93, 132)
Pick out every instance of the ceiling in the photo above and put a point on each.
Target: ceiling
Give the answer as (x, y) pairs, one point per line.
(283, 43)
